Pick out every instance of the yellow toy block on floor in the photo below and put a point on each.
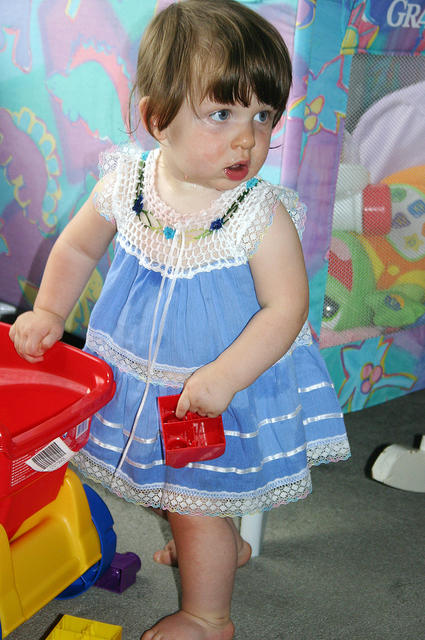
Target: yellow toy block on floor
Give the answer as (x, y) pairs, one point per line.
(71, 628)
(50, 550)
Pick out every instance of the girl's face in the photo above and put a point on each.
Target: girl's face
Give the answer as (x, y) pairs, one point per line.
(218, 146)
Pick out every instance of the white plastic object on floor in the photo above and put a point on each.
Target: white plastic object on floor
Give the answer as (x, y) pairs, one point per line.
(252, 529)
(401, 468)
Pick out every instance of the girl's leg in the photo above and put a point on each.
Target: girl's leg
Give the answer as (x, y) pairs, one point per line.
(208, 556)
(168, 555)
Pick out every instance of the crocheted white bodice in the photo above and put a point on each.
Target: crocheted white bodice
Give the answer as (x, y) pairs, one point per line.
(178, 244)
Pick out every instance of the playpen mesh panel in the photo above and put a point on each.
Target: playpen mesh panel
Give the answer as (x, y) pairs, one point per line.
(376, 277)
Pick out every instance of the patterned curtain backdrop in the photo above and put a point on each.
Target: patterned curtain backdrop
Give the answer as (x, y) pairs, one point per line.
(66, 70)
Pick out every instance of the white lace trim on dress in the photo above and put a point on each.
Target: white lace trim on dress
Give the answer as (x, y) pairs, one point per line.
(232, 244)
(126, 361)
(161, 374)
(191, 501)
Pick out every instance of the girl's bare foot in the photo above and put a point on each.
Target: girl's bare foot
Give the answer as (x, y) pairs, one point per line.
(167, 555)
(185, 626)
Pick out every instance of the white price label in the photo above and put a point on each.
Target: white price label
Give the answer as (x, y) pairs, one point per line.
(53, 456)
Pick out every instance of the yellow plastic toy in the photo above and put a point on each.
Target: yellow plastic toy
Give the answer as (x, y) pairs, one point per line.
(56, 547)
(71, 628)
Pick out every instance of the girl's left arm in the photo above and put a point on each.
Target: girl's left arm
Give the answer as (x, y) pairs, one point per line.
(281, 286)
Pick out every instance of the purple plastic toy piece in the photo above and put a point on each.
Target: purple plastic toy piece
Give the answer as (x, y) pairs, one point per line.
(121, 573)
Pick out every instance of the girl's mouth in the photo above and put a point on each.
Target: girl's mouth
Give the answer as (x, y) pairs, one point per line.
(237, 171)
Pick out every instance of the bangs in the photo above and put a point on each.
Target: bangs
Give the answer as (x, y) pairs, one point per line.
(234, 88)
(234, 73)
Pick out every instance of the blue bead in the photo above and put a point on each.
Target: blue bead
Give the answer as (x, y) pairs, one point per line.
(169, 233)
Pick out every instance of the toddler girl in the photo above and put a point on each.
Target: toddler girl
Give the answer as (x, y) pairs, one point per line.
(207, 294)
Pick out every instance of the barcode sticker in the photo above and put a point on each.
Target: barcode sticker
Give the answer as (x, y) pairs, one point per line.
(53, 456)
(82, 428)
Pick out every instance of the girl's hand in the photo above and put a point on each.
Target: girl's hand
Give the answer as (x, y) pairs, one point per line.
(35, 332)
(208, 392)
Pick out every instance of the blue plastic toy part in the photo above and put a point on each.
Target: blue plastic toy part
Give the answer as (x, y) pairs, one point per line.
(103, 522)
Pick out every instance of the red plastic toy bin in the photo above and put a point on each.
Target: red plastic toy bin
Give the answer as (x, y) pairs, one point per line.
(45, 412)
(193, 438)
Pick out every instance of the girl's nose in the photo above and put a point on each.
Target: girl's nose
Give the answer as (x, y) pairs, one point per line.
(244, 137)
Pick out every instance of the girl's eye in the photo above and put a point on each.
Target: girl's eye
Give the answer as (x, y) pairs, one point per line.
(262, 116)
(220, 116)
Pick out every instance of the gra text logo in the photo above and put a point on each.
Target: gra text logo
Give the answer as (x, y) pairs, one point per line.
(402, 13)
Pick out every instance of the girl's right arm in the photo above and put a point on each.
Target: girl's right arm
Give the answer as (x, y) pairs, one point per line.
(71, 262)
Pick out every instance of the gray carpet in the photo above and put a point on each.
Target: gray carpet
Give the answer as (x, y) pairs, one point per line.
(346, 563)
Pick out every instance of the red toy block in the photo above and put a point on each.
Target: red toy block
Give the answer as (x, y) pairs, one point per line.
(194, 438)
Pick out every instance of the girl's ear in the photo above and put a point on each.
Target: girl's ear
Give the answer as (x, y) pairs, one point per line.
(153, 128)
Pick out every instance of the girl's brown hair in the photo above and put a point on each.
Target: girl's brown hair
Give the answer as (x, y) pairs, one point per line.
(218, 49)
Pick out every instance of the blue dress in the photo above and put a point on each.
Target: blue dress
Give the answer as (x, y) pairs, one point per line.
(178, 292)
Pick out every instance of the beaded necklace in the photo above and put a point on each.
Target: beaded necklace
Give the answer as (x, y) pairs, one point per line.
(146, 217)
